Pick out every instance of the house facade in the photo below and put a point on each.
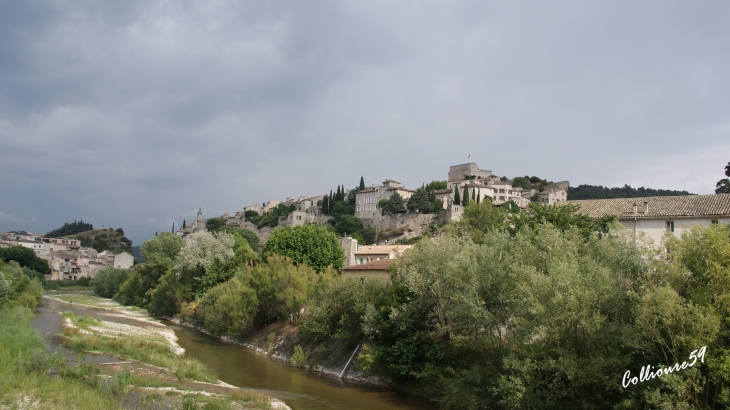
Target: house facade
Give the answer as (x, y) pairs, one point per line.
(654, 217)
(366, 201)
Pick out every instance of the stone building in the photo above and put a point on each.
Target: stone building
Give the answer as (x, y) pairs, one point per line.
(654, 217)
(366, 201)
(460, 172)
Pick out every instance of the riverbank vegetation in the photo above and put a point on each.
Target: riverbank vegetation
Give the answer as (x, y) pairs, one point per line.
(540, 308)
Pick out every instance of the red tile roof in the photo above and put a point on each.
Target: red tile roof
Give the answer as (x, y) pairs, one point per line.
(382, 264)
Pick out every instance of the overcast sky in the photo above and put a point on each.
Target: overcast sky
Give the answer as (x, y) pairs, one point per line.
(134, 114)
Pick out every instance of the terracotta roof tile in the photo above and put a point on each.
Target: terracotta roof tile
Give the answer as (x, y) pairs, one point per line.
(659, 206)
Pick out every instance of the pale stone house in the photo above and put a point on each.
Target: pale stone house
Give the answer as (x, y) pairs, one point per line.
(653, 217)
(554, 193)
(366, 201)
(123, 261)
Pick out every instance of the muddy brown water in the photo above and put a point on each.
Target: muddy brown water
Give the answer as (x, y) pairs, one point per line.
(300, 389)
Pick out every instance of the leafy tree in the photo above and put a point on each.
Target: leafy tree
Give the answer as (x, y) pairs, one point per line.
(342, 208)
(25, 257)
(723, 185)
(214, 224)
(562, 216)
(120, 231)
(420, 201)
(227, 308)
(250, 214)
(281, 287)
(479, 219)
(108, 281)
(310, 244)
(4, 290)
(199, 264)
(435, 185)
(249, 236)
(346, 224)
(394, 204)
(132, 292)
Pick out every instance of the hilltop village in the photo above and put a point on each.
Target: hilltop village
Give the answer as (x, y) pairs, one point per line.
(463, 181)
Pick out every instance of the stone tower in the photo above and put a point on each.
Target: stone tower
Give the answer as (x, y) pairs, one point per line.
(199, 222)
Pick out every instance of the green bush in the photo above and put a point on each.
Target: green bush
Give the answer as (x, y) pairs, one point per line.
(227, 308)
(108, 281)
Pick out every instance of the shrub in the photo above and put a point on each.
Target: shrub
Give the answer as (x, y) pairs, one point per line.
(108, 281)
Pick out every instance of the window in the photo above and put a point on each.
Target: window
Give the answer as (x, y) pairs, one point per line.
(670, 226)
(714, 222)
(501, 197)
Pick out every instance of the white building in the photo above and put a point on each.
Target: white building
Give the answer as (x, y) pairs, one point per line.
(658, 215)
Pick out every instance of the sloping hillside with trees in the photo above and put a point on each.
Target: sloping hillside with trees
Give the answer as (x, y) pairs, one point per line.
(70, 229)
(105, 239)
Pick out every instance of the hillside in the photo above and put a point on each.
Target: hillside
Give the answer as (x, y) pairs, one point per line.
(70, 229)
(105, 239)
(601, 192)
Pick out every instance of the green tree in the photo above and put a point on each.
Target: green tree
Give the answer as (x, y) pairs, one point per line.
(107, 282)
(394, 204)
(436, 185)
(310, 244)
(250, 214)
(25, 257)
(465, 197)
(4, 290)
(479, 219)
(457, 197)
(562, 216)
(421, 202)
(723, 185)
(214, 224)
(344, 224)
(362, 184)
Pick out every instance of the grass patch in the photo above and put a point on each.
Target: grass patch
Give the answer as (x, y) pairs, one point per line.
(24, 362)
(153, 350)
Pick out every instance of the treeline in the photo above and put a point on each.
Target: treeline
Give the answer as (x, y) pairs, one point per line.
(70, 229)
(602, 192)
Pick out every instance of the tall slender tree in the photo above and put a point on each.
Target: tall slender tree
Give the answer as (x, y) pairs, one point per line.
(362, 183)
(173, 227)
(474, 194)
(465, 197)
(457, 197)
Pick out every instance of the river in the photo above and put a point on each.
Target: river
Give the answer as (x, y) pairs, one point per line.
(299, 389)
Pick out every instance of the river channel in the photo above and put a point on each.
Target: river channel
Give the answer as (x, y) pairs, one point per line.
(299, 389)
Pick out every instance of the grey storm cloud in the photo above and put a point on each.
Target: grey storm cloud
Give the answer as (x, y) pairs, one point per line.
(134, 114)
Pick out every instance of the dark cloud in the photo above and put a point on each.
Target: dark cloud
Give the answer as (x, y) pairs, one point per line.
(134, 114)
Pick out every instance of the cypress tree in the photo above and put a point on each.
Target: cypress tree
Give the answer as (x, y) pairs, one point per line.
(473, 194)
(173, 227)
(479, 196)
(330, 203)
(362, 183)
(184, 224)
(325, 204)
(457, 197)
(465, 197)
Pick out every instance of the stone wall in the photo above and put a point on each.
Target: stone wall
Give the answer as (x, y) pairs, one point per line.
(457, 172)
